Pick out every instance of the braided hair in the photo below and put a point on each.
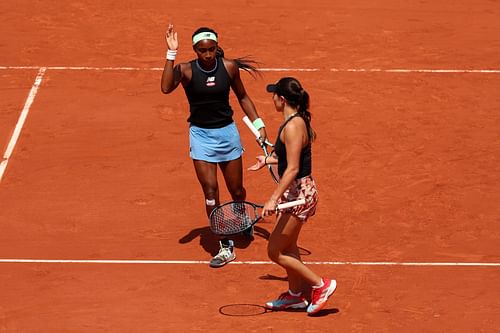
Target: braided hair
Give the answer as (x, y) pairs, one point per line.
(244, 63)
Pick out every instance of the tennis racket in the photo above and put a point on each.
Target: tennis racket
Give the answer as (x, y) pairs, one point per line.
(273, 169)
(237, 216)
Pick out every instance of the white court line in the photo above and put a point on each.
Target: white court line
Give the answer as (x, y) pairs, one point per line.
(437, 71)
(20, 121)
(353, 70)
(195, 262)
(91, 68)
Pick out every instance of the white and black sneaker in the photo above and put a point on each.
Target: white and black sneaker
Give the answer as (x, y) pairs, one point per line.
(226, 254)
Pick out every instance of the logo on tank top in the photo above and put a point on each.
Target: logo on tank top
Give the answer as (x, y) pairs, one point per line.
(210, 81)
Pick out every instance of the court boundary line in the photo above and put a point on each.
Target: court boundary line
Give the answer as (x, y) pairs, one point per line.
(196, 262)
(20, 121)
(348, 70)
(32, 94)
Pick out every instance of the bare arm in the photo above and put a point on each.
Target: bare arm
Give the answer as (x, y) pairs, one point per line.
(239, 90)
(171, 76)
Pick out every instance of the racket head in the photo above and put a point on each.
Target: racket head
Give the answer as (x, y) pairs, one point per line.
(233, 217)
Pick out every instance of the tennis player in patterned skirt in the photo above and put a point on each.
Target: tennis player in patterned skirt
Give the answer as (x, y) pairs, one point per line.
(293, 155)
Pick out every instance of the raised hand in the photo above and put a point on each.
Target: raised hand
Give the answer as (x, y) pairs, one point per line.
(171, 38)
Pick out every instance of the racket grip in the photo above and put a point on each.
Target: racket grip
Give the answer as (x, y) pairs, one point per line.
(251, 127)
(291, 204)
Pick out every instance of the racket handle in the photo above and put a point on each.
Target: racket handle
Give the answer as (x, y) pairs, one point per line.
(291, 204)
(251, 127)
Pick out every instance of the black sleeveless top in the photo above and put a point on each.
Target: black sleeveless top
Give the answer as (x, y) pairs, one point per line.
(208, 96)
(305, 166)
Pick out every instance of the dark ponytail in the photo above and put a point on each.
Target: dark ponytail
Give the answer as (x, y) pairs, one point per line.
(291, 89)
(303, 109)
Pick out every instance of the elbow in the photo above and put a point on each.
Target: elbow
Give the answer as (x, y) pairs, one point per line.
(243, 99)
(165, 90)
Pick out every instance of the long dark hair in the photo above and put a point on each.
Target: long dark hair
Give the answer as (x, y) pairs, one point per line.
(297, 97)
(244, 63)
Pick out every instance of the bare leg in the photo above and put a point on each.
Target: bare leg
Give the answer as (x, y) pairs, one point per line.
(233, 176)
(299, 285)
(283, 250)
(207, 176)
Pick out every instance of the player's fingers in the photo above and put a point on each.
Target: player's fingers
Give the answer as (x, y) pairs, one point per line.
(254, 167)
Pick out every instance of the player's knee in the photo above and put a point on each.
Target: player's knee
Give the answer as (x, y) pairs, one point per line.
(273, 253)
(238, 193)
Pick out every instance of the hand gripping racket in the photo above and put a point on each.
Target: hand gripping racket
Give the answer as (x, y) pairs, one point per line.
(271, 167)
(237, 216)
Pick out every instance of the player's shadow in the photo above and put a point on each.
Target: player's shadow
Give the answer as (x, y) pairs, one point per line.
(210, 242)
(273, 277)
(325, 312)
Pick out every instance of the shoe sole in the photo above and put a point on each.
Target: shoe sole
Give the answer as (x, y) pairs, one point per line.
(294, 306)
(322, 305)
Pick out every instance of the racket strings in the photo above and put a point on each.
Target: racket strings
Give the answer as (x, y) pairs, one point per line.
(232, 218)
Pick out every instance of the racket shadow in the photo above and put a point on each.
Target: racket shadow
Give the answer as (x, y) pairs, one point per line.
(250, 310)
(210, 242)
(243, 310)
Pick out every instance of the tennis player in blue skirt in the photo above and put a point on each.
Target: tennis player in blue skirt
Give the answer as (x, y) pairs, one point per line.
(213, 137)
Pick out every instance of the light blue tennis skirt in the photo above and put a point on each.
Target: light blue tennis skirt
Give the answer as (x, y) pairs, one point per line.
(215, 144)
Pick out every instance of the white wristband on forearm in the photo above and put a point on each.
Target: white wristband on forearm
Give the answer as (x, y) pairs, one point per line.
(171, 54)
(258, 124)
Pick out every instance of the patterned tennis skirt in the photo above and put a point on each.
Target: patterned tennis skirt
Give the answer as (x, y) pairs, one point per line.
(303, 188)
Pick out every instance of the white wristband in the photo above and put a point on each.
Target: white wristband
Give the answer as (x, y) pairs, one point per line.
(171, 54)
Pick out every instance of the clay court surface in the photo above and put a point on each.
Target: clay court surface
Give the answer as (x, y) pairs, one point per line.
(101, 216)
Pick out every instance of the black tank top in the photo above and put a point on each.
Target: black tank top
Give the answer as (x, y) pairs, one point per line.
(305, 155)
(208, 96)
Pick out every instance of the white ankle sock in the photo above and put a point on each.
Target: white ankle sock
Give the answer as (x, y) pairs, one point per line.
(294, 294)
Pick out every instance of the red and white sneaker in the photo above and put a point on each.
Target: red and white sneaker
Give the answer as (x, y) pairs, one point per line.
(287, 301)
(321, 295)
